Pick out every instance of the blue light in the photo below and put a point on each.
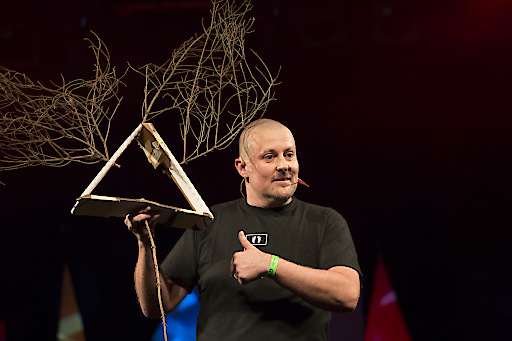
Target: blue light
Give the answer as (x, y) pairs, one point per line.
(181, 322)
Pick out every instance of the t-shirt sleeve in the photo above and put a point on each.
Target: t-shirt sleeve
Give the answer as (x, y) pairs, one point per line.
(180, 265)
(337, 247)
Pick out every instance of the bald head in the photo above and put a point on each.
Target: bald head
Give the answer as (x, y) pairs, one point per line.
(268, 163)
(245, 143)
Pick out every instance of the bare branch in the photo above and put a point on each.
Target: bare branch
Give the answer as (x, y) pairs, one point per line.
(58, 124)
(209, 83)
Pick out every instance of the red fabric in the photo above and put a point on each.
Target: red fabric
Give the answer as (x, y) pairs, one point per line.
(385, 319)
(3, 334)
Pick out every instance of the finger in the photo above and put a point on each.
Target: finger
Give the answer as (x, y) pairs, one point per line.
(139, 218)
(232, 269)
(244, 242)
(138, 211)
(134, 219)
(143, 214)
(127, 221)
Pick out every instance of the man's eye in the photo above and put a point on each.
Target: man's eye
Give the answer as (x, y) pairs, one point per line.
(268, 157)
(289, 155)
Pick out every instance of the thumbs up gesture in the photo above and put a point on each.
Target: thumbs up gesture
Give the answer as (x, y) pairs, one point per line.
(250, 264)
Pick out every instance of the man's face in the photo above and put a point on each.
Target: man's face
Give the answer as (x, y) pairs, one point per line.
(272, 168)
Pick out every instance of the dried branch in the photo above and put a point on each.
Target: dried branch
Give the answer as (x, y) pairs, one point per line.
(209, 78)
(56, 125)
(208, 81)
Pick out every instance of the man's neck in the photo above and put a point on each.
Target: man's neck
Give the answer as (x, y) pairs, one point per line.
(267, 202)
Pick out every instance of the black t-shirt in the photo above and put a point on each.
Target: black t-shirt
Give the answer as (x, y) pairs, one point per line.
(306, 234)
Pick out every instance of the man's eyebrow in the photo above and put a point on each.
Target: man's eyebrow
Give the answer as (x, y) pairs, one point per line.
(266, 151)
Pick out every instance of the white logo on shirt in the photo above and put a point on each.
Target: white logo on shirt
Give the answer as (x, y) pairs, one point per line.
(257, 238)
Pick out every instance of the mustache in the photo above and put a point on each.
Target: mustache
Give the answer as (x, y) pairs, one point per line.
(283, 176)
(290, 176)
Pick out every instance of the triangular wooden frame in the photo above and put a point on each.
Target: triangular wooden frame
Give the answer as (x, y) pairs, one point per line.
(157, 154)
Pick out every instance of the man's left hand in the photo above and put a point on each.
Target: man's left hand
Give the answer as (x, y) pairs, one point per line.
(250, 264)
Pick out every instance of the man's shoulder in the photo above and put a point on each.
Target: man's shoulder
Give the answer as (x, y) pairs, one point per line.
(302, 204)
(329, 212)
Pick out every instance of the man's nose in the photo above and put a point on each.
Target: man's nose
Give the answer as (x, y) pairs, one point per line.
(283, 165)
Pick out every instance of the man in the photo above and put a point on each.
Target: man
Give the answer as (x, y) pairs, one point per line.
(301, 267)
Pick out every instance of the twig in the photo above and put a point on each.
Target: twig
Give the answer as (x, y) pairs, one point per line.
(58, 124)
(210, 83)
(158, 283)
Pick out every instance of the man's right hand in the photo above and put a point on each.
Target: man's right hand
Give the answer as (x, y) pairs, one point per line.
(172, 294)
(135, 221)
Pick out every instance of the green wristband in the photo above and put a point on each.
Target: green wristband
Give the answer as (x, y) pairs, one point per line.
(273, 266)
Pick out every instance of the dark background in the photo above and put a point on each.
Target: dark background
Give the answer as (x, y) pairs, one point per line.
(401, 112)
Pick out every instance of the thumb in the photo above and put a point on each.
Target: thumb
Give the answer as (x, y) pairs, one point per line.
(243, 240)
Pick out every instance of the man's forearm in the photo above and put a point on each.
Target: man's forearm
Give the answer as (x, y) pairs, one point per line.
(336, 289)
(146, 288)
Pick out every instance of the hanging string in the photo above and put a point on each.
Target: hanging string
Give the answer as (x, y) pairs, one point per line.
(158, 283)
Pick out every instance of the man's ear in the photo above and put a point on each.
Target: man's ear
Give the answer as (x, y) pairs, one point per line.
(241, 167)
